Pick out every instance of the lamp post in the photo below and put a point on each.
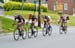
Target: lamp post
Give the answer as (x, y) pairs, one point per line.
(35, 7)
(22, 6)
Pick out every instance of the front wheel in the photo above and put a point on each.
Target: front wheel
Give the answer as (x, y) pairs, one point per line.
(35, 32)
(16, 34)
(65, 31)
(29, 33)
(61, 30)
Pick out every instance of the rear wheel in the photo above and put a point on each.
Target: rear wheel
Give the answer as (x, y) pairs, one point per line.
(44, 31)
(24, 34)
(50, 31)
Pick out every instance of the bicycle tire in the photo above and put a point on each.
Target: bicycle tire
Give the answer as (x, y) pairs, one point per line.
(44, 31)
(29, 33)
(35, 32)
(49, 31)
(14, 34)
(24, 34)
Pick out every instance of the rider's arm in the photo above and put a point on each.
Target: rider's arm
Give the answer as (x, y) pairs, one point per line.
(22, 21)
(14, 22)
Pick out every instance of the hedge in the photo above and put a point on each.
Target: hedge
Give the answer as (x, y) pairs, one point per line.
(18, 6)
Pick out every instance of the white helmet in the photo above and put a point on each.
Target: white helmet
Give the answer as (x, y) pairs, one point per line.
(49, 17)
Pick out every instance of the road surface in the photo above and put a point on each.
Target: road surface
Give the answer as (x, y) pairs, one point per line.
(54, 41)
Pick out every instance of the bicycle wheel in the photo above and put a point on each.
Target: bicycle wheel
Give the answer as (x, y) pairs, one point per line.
(49, 30)
(44, 31)
(16, 34)
(61, 30)
(29, 33)
(35, 32)
(24, 34)
(65, 29)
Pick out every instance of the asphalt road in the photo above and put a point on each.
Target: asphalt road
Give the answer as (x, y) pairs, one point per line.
(56, 40)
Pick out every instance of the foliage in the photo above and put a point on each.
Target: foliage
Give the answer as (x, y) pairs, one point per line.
(2, 1)
(18, 6)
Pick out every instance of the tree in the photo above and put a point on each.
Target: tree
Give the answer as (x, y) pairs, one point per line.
(39, 14)
(2, 1)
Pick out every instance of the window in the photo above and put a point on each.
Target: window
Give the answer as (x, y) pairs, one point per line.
(55, 6)
(65, 6)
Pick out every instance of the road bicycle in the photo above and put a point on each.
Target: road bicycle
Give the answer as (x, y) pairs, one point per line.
(19, 33)
(32, 31)
(62, 29)
(47, 29)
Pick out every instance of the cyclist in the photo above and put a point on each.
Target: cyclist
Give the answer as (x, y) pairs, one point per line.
(47, 19)
(21, 22)
(33, 21)
(63, 19)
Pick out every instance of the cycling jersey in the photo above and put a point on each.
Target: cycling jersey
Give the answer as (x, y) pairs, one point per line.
(64, 18)
(33, 18)
(19, 18)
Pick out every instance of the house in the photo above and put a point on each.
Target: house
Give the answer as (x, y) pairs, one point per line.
(66, 6)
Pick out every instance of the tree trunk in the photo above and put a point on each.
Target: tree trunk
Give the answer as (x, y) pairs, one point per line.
(39, 14)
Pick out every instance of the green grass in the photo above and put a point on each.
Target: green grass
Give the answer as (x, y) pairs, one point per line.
(54, 15)
(6, 24)
(25, 14)
(72, 21)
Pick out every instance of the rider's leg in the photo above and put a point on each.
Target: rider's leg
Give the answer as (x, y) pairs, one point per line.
(44, 23)
(19, 28)
(32, 27)
(49, 24)
(62, 24)
(65, 25)
(22, 27)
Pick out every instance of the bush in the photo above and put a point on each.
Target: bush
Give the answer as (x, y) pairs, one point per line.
(44, 8)
(18, 6)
